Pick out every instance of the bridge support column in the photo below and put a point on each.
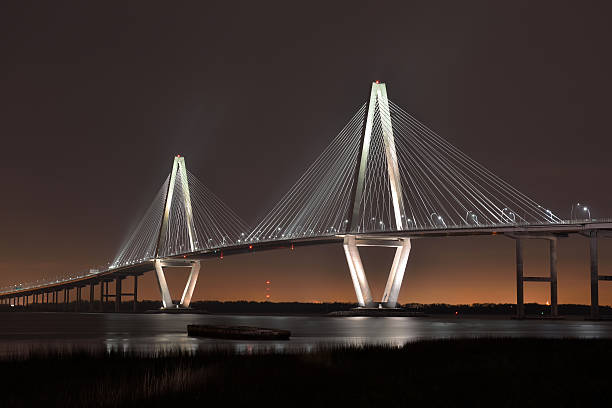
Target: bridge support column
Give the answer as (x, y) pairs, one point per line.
(191, 282)
(135, 303)
(91, 296)
(396, 275)
(594, 275)
(78, 298)
(552, 252)
(163, 286)
(102, 286)
(520, 299)
(360, 282)
(118, 293)
(521, 279)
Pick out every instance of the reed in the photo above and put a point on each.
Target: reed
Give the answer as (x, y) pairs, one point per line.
(454, 372)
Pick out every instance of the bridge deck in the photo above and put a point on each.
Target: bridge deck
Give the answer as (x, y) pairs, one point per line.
(560, 230)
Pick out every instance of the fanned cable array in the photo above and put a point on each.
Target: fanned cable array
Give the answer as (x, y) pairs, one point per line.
(141, 244)
(216, 224)
(439, 186)
(319, 202)
(184, 217)
(443, 187)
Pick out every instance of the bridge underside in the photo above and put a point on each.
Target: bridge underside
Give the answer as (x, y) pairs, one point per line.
(50, 293)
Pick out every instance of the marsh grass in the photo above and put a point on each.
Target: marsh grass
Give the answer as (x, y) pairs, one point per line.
(471, 372)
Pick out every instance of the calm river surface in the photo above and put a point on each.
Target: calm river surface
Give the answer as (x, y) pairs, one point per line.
(24, 332)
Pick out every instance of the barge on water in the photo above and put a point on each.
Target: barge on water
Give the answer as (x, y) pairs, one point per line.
(237, 332)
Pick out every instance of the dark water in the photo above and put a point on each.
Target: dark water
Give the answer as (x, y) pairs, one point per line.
(24, 332)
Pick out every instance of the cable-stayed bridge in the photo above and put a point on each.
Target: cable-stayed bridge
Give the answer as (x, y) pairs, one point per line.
(384, 180)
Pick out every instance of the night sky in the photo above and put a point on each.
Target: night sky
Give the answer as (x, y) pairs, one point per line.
(97, 97)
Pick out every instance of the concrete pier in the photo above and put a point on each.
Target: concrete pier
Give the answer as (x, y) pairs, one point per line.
(118, 293)
(521, 279)
(594, 275)
(91, 296)
(520, 300)
(101, 296)
(135, 302)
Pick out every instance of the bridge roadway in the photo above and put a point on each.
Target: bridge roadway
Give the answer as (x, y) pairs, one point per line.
(591, 229)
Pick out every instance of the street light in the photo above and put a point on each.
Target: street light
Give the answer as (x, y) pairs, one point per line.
(437, 220)
(471, 218)
(508, 216)
(580, 212)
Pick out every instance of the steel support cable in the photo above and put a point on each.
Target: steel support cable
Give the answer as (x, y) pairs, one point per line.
(478, 166)
(309, 174)
(208, 213)
(309, 178)
(494, 186)
(433, 187)
(323, 194)
(461, 179)
(321, 179)
(419, 186)
(296, 203)
(329, 198)
(425, 191)
(433, 158)
(443, 166)
(412, 172)
(407, 185)
(131, 249)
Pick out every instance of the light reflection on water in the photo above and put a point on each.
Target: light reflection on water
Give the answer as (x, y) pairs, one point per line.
(157, 333)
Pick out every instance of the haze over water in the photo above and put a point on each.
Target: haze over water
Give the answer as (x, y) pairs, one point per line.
(26, 332)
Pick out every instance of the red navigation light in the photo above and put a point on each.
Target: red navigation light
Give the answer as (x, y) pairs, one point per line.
(221, 257)
(178, 155)
(267, 282)
(377, 81)
(184, 256)
(292, 247)
(250, 246)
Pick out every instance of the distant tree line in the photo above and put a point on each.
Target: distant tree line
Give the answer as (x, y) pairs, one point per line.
(252, 307)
